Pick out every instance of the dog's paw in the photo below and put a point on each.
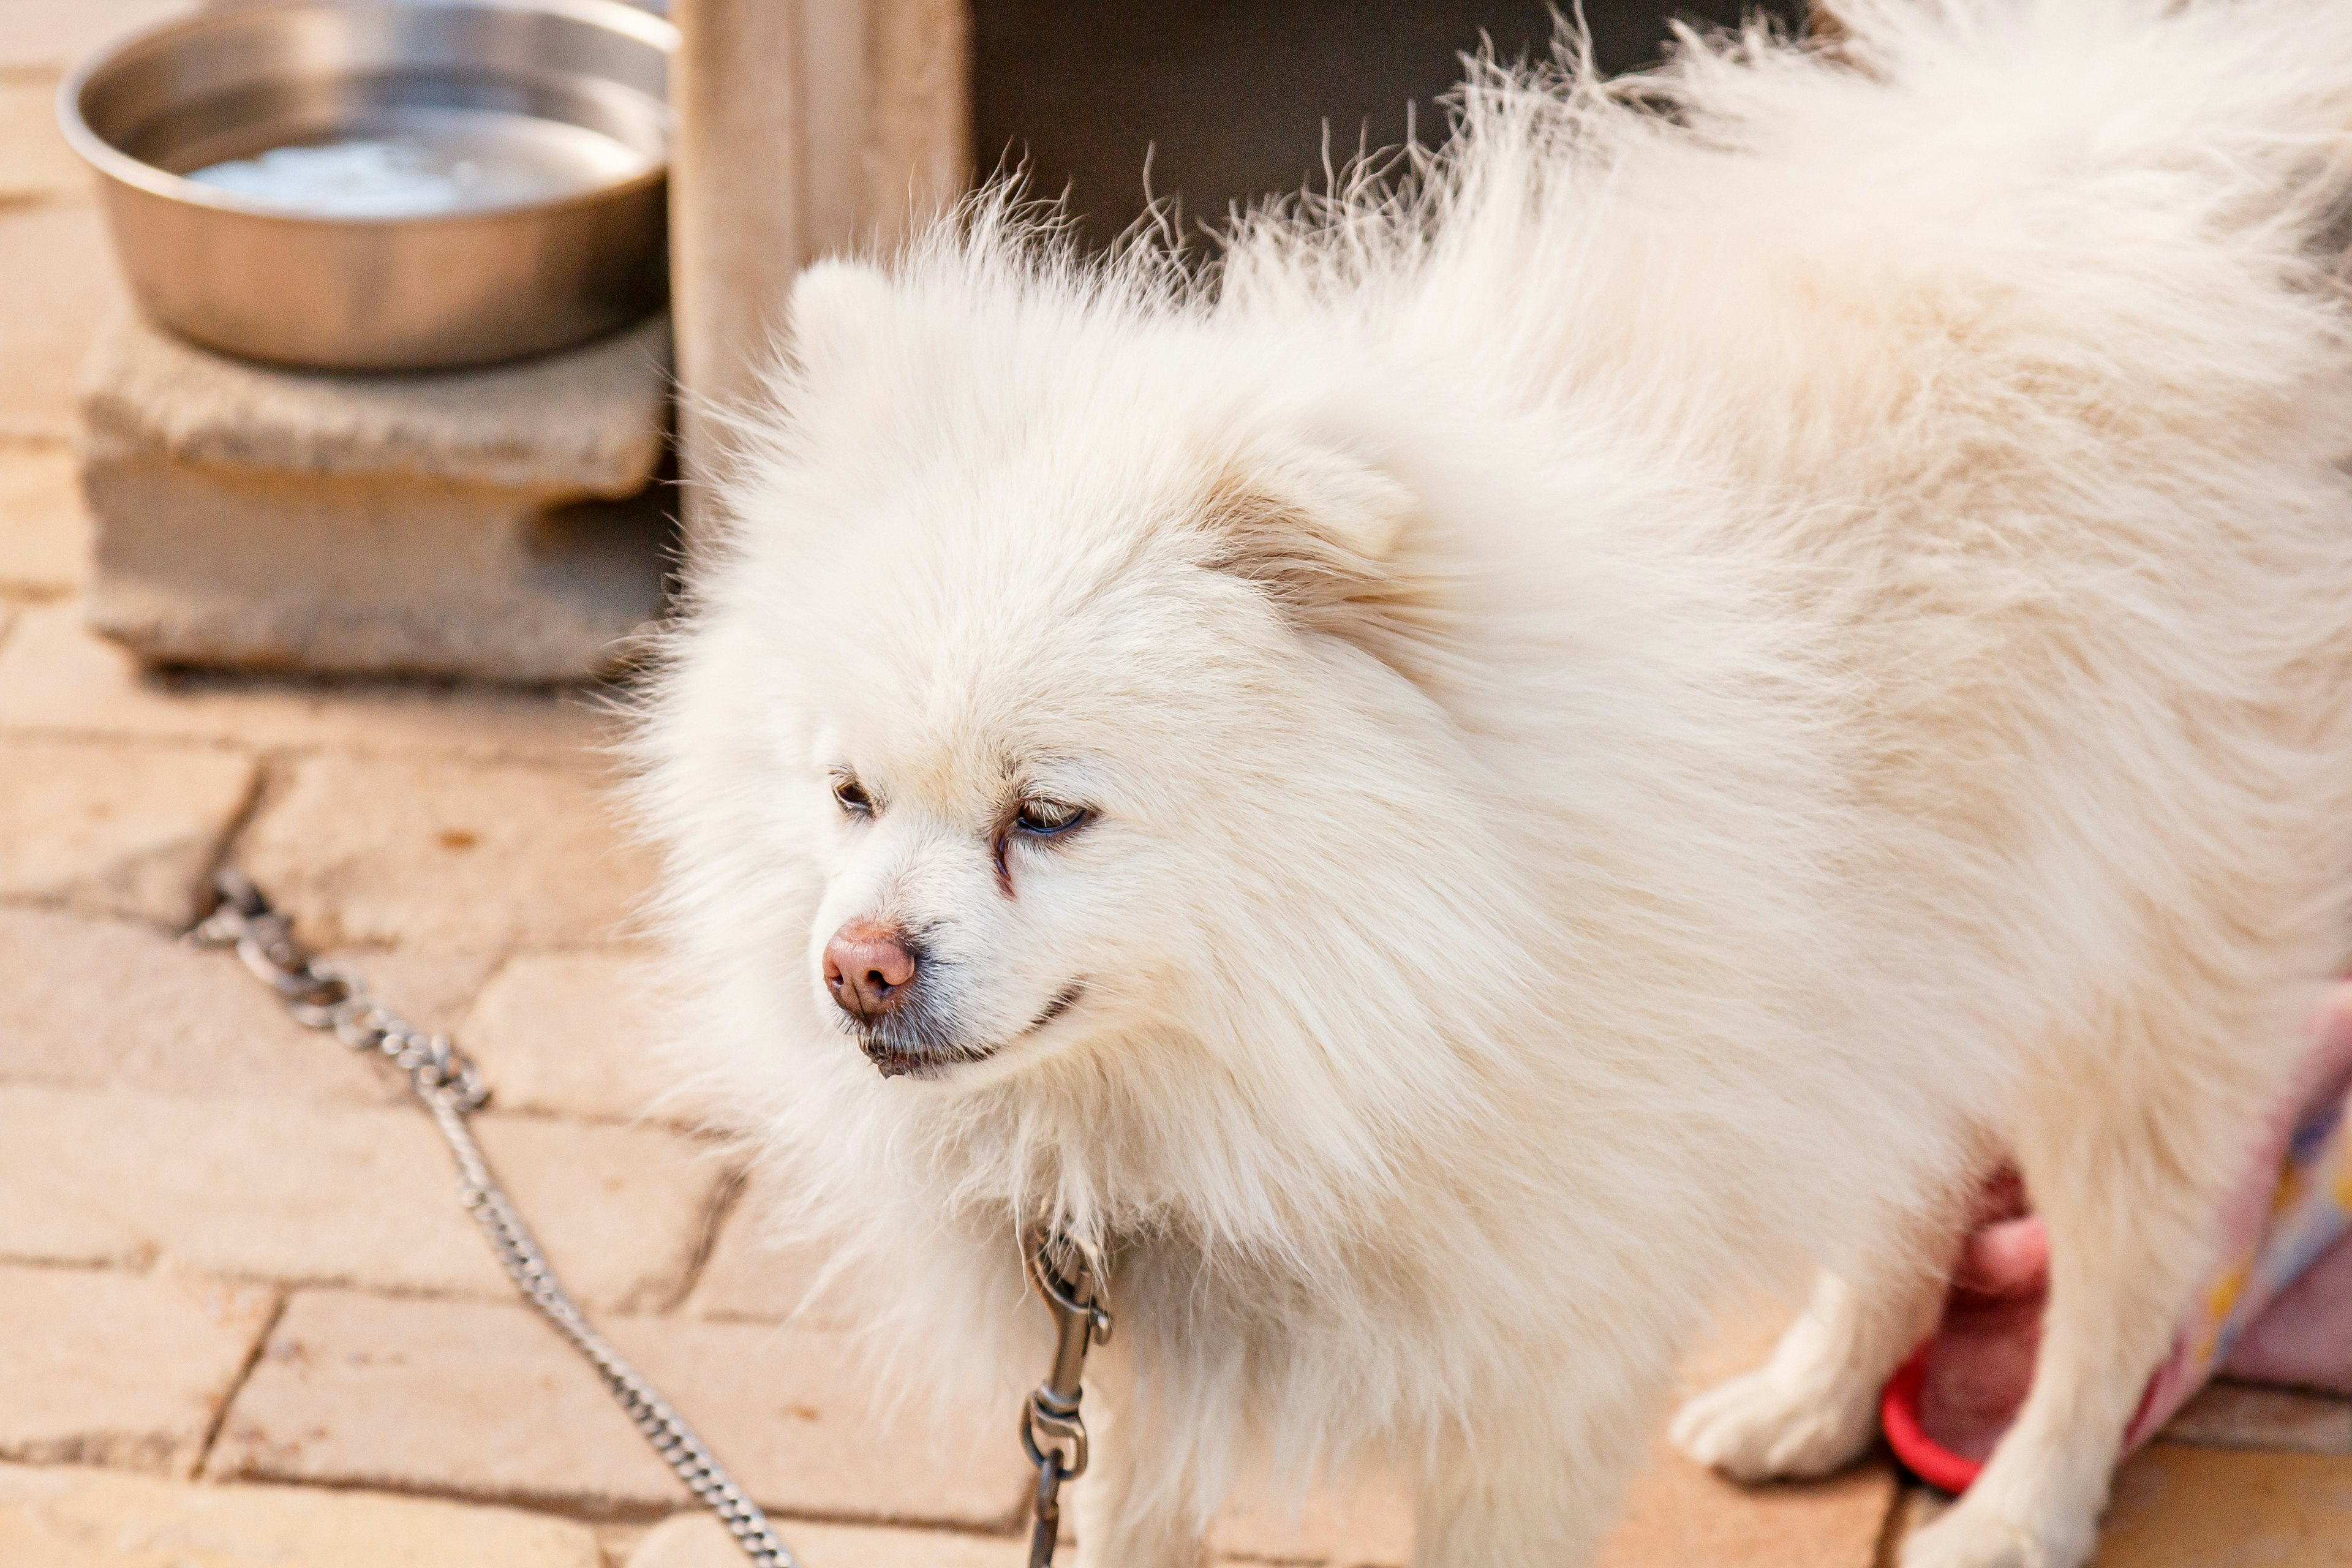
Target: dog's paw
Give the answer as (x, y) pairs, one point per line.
(1967, 1537)
(1764, 1427)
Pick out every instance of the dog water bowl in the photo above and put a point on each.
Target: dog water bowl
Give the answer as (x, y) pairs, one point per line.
(376, 186)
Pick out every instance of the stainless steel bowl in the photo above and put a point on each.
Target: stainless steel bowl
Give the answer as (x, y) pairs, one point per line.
(565, 101)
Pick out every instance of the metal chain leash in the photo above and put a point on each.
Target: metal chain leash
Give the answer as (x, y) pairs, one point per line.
(1051, 1430)
(449, 1086)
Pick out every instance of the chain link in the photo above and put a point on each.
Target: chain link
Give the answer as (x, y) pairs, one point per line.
(448, 1085)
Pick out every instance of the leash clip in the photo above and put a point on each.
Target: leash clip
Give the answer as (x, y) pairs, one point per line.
(1052, 1431)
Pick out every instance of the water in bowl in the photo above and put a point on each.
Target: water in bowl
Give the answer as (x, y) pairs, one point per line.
(430, 162)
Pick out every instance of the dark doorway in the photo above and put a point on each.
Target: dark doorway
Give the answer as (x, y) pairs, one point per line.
(1231, 97)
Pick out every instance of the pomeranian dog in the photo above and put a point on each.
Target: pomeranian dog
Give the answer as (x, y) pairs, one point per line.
(1553, 737)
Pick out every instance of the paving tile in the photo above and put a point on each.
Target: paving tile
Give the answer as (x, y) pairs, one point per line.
(62, 287)
(2178, 1507)
(302, 1194)
(570, 1033)
(485, 1401)
(74, 1518)
(56, 676)
(752, 1277)
(1366, 1524)
(118, 1369)
(45, 537)
(394, 850)
(699, 1541)
(95, 1004)
(35, 165)
(1681, 1515)
(51, 36)
(113, 827)
(2241, 1416)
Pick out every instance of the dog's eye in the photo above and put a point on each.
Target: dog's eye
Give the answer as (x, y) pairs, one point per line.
(1044, 818)
(851, 796)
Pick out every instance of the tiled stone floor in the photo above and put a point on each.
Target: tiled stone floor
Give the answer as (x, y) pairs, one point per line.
(241, 1320)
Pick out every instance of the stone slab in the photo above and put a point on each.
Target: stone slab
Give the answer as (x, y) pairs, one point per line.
(570, 1033)
(301, 1193)
(2178, 1507)
(699, 1541)
(62, 287)
(588, 422)
(492, 524)
(114, 827)
(73, 1518)
(129, 1370)
(485, 1401)
(57, 677)
(44, 527)
(1365, 1522)
(473, 857)
(2241, 1416)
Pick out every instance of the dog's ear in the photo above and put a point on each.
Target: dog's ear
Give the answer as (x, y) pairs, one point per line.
(835, 307)
(1327, 536)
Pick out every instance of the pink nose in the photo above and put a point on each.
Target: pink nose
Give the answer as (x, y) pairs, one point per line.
(869, 969)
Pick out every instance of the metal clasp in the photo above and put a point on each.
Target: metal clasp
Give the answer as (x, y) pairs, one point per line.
(1051, 1429)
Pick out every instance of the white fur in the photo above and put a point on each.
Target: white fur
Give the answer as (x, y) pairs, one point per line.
(1655, 700)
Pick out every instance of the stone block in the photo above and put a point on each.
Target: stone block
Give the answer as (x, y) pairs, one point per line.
(479, 858)
(2238, 1416)
(1364, 1522)
(72, 1518)
(62, 287)
(491, 523)
(302, 1194)
(2201, 1507)
(115, 828)
(485, 1402)
(570, 1033)
(130, 1369)
(43, 528)
(56, 677)
(699, 1541)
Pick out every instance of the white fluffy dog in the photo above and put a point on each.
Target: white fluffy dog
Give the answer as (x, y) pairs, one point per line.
(1550, 741)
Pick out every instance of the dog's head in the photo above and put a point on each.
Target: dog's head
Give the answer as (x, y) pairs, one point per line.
(1057, 686)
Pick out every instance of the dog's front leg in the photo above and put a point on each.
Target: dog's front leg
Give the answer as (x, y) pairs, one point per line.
(1533, 1481)
(1126, 1510)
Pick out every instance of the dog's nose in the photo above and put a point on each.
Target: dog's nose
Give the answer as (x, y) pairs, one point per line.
(869, 969)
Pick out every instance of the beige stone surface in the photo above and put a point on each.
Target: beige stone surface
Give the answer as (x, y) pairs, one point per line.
(2178, 1507)
(752, 1277)
(44, 527)
(73, 1518)
(2241, 1415)
(570, 1033)
(1681, 1515)
(35, 165)
(388, 851)
(113, 827)
(62, 283)
(1362, 1523)
(485, 1401)
(118, 1369)
(47, 37)
(699, 1541)
(301, 1193)
(56, 676)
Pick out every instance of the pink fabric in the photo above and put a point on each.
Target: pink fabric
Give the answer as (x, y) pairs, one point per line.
(2279, 1310)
